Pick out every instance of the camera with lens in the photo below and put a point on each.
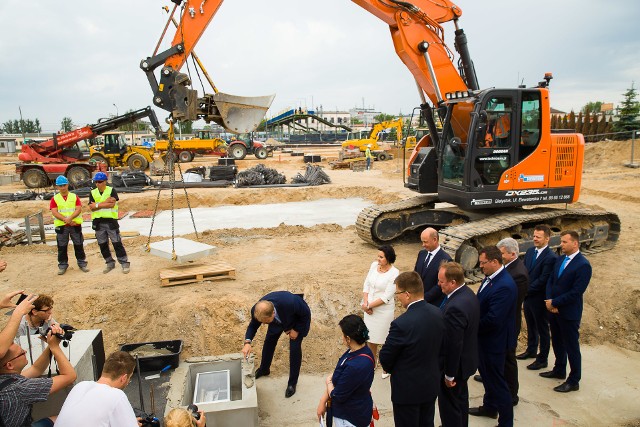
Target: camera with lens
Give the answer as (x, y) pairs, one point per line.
(146, 420)
(65, 336)
(194, 411)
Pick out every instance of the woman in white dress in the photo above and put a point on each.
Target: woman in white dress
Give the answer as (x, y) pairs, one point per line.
(378, 297)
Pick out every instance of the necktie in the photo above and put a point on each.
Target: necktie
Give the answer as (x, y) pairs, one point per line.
(535, 258)
(563, 265)
(487, 280)
(444, 302)
(427, 259)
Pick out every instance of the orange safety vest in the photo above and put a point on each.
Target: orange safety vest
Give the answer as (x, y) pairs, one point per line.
(502, 127)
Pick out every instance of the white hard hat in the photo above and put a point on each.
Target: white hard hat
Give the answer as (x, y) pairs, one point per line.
(369, 145)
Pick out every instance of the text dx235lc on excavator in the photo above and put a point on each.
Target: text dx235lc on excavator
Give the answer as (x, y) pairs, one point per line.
(494, 159)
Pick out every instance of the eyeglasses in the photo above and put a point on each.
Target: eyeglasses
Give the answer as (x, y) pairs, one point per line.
(22, 353)
(485, 262)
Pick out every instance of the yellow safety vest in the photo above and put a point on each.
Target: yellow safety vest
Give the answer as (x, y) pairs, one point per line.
(99, 198)
(66, 208)
(367, 153)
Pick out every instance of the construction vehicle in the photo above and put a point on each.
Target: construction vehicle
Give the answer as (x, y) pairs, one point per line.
(354, 140)
(112, 150)
(243, 144)
(68, 153)
(186, 149)
(479, 162)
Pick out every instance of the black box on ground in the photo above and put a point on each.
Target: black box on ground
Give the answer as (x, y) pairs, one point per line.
(155, 355)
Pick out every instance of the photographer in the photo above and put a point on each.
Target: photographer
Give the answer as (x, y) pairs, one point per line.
(20, 388)
(9, 332)
(180, 417)
(103, 402)
(39, 318)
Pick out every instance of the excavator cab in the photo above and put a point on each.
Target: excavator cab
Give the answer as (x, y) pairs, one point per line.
(493, 154)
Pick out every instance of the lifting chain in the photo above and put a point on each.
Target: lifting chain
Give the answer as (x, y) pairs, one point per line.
(170, 161)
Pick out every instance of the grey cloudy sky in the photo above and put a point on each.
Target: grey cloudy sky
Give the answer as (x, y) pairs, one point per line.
(78, 58)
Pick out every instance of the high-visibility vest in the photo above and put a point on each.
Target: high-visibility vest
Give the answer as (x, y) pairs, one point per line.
(367, 153)
(66, 208)
(99, 198)
(502, 127)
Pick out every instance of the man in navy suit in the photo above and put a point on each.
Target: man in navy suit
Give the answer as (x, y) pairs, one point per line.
(283, 312)
(411, 355)
(567, 283)
(539, 260)
(496, 334)
(515, 267)
(461, 312)
(428, 264)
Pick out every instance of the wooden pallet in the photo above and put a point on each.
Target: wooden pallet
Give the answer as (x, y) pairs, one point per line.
(196, 273)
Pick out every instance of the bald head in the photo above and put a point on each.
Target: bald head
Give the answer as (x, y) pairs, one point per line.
(264, 311)
(429, 238)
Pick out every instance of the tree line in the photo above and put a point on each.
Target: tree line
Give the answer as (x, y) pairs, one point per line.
(598, 127)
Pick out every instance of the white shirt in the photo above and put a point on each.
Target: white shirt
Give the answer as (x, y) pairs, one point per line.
(571, 257)
(539, 251)
(96, 405)
(433, 254)
(484, 285)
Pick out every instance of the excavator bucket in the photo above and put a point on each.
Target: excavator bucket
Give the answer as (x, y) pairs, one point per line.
(241, 114)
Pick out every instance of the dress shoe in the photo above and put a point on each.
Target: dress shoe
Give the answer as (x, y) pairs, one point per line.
(525, 355)
(290, 391)
(108, 268)
(477, 378)
(537, 365)
(84, 269)
(261, 373)
(515, 400)
(566, 387)
(552, 374)
(126, 269)
(61, 271)
(480, 411)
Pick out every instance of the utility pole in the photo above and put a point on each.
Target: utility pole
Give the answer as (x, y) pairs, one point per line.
(24, 138)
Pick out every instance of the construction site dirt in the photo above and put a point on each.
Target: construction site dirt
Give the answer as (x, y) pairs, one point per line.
(328, 263)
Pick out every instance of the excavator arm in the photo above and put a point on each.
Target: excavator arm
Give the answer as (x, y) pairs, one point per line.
(415, 29)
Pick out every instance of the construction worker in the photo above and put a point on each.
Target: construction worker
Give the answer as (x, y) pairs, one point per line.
(66, 209)
(103, 202)
(368, 156)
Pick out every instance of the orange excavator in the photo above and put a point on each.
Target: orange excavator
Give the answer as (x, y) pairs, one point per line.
(493, 156)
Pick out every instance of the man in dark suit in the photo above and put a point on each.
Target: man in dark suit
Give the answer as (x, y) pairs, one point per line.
(461, 312)
(283, 312)
(428, 263)
(539, 260)
(496, 334)
(411, 355)
(515, 267)
(567, 283)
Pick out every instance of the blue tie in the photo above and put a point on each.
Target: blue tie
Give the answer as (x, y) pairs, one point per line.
(426, 261)
(563, 265)
(444, 302)
(535, 258)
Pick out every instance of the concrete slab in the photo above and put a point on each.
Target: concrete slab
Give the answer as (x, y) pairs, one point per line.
(186, 250)
(241, 410)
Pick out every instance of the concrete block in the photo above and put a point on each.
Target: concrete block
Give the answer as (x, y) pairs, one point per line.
(242, 410)
(186, 250)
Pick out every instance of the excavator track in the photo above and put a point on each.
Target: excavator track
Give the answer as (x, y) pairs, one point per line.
(463, 234)
(398, 214)
(599, 231)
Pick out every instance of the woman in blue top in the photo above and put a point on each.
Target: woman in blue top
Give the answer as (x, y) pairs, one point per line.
(349, 386)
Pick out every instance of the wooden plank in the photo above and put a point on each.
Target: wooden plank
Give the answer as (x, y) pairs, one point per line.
(196, 273)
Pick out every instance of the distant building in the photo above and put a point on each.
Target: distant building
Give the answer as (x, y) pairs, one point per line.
(557, 113)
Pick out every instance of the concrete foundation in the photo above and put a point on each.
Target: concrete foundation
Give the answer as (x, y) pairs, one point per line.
(241, 410)
(186, 250)
(86, 354)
